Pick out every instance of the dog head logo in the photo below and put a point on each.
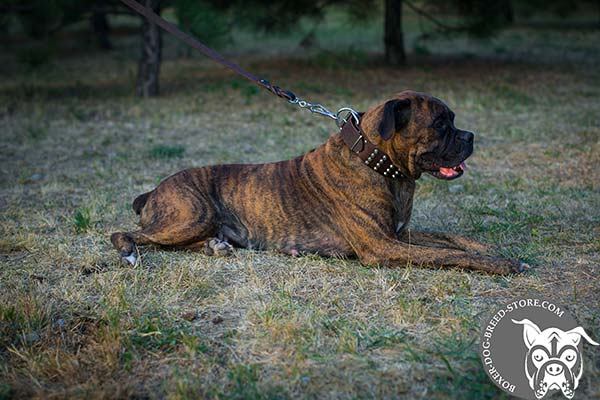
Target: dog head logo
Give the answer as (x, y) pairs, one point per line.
(553, 361)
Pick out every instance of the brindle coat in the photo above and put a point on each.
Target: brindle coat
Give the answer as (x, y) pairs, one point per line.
(325, 201)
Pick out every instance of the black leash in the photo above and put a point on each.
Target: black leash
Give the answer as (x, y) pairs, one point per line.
(346, 118)
(151, 16)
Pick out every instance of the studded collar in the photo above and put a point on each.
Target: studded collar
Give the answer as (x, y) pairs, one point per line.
(371, 155)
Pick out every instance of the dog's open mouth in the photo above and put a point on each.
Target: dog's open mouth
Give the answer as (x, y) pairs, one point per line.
(448, 173)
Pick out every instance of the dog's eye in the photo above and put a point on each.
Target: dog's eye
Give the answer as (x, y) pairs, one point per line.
(569, 355)
(440, 125)
(538, 355)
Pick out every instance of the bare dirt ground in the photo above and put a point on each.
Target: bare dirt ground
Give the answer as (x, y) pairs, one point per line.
(77, 146)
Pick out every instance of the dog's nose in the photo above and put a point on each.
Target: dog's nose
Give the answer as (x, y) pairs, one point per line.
(554, 369)
(466, 136)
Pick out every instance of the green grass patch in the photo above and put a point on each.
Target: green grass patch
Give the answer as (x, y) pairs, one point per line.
(166, 151)
(512, 95)
(36, 132)
(82, 221)
(22, 321)
(246, 89)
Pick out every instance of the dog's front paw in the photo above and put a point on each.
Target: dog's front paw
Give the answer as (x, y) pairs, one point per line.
(217, 247)
(504, 266)
(519, 267)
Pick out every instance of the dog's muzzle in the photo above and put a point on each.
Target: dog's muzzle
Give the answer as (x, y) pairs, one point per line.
(554, 375)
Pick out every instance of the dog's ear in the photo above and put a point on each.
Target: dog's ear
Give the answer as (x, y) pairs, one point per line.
(530, 331)
(395, 116)
(576, 334)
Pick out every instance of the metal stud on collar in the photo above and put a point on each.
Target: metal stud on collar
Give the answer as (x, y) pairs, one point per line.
(391, 170)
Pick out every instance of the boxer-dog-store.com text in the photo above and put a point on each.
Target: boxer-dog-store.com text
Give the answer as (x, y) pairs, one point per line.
(532, 348)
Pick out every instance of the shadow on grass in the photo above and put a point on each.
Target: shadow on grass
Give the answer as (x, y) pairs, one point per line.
(57, 92)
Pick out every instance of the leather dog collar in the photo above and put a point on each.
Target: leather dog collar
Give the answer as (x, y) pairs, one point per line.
(371, 155)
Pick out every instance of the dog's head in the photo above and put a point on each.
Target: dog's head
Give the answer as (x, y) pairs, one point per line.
(553, 360)
(417, 131)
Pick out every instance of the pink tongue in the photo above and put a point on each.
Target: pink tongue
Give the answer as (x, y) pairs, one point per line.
(450, 172)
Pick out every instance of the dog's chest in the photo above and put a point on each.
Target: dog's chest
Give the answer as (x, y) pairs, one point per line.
(402, 196)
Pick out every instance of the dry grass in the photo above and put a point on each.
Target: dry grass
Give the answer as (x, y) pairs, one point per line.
(77, 146)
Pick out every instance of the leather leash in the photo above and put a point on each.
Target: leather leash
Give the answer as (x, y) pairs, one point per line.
(346, 118)
(151, 16)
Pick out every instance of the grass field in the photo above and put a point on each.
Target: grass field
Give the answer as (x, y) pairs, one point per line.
(77, 146)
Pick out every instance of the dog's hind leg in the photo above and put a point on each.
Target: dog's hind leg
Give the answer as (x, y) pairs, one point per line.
(125, 244)
(192, 236)
(171, 216)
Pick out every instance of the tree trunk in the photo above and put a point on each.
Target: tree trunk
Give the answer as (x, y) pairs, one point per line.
(507, 11)
(149, 66)
(393, 37)
(100, 25)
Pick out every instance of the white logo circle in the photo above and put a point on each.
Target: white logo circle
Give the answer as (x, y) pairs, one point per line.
(532, 348)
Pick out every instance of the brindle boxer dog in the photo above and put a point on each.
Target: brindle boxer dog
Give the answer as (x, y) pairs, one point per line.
(326, 201)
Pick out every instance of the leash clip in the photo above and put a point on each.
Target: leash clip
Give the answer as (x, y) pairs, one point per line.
(313, 108)
(341, 117)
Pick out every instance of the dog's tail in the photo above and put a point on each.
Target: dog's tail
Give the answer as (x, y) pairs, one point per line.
(140, 202)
